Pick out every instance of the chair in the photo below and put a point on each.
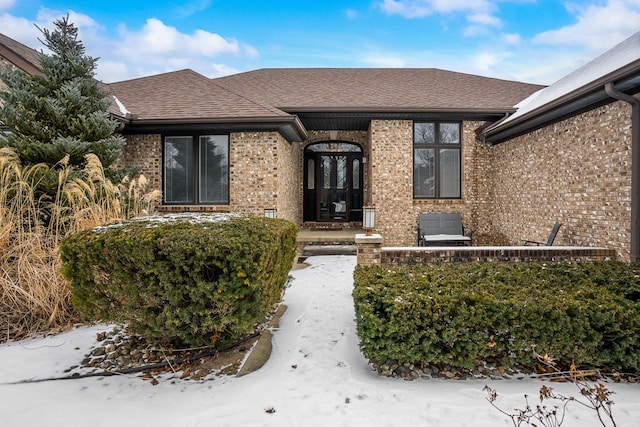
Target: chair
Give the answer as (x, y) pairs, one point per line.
(442, 229)
(552, 237)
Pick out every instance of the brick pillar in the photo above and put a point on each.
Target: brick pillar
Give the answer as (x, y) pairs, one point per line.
(369, 249)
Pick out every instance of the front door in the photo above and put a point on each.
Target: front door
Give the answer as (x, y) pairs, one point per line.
(333, 182)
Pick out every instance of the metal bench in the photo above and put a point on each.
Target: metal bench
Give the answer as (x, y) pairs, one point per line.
(442, 229)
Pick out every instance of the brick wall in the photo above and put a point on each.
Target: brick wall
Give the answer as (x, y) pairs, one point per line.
(289, 176)
(391, 163)
(264, 173)
(577, 171)
(253, 172)
(513, 254)
(144, 151)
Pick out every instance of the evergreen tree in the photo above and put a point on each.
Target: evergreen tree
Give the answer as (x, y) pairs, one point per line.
(63, 112)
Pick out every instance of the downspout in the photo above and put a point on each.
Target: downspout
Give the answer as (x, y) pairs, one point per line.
(635, 167)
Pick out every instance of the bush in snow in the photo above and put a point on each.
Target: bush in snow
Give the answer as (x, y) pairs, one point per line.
(463, 315)
(185, 280)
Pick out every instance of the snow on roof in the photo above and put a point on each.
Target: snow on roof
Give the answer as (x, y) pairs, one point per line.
(121, 106)
(621, 55)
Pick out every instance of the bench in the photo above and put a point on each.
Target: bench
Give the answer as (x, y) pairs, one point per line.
(442, 229)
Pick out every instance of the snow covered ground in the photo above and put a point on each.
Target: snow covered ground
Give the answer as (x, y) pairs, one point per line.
(316, 377)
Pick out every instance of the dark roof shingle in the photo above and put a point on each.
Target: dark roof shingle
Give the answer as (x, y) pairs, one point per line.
(184, 95)
(19, 55)
(310, 89)
(273, 93)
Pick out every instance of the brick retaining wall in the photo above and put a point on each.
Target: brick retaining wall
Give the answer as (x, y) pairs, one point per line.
(371, 252)
(514, 254)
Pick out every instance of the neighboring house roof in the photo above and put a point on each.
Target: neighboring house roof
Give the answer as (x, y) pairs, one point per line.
(19, 55)
(579, 91)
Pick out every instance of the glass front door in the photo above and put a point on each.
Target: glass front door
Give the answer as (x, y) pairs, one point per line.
(332, 186)
(333, 183)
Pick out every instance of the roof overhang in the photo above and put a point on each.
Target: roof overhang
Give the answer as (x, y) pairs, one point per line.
(290, 127)
(19, 61)
(587, 97)
(294, 127)
(360, 118)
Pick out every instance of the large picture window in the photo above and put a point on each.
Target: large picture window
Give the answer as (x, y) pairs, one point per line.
(436, 160)
(196, 169)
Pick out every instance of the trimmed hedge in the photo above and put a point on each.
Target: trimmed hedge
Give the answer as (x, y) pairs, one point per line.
(188, 280)
(462, 314)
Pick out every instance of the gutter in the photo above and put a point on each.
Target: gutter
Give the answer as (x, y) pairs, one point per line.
(396, 110)
(635, 167)
(288, 126)
(593, 89)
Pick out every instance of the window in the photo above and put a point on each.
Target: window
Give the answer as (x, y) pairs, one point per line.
(196, 169)
(436, 160)
(311, 174)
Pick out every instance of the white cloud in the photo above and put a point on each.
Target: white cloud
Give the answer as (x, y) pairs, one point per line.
(6, 4)
(598, 26)
(157, 48)
(499, 59)
(115, 70)
(27, 32)
(422, 8)
(484, 19)
(192, 7)
(156, 38)
(351, 13)
(151, 49)
(216, 70)
(479, 13)
(512, 38)
(46, 17)
(20, 29)
(408, 9)
(485, 62)
(384, 60)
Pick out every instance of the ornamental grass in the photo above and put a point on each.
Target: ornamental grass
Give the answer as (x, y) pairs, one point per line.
(34, 296)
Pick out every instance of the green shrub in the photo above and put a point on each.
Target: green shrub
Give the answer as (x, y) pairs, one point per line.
(192, 280)
(462, 314)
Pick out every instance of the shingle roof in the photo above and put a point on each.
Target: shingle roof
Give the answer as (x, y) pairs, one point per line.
(275, 92)
(19, 55)
(382, 89)
(579, 90)
(293, 100)
(186, 95)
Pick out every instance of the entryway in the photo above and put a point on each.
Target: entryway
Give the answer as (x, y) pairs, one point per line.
(333, 182)
(326, 242)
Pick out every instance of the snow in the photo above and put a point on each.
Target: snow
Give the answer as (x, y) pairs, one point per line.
(616, 58)
(188, 217)
(316, 376)
(123, 110)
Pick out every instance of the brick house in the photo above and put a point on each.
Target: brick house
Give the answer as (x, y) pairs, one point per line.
(319, 144)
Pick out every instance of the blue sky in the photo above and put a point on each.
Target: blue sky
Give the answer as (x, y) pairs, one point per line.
(536, 41)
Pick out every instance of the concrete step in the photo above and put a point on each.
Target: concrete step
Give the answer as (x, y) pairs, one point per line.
(314, 250)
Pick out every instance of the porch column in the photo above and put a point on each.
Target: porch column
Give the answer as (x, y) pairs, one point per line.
(369, 249)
